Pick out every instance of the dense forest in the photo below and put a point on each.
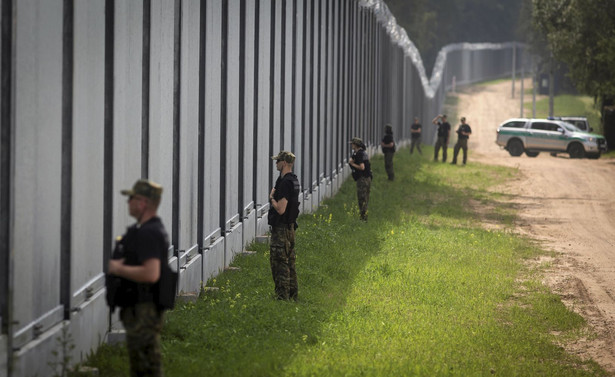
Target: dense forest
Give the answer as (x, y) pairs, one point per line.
(432, 24)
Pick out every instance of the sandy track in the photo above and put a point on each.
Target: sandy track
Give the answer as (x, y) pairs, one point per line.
(568, 205)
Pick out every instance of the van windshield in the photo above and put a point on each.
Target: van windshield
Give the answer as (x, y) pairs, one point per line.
(571, 127)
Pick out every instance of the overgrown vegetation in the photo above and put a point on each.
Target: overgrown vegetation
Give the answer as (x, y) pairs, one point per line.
(569, 105)
(424, 288)
(580, 33)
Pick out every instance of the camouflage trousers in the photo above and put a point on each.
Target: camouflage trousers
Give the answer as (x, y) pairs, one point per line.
(463, 145)
(282, 257)
(363, 186)
(440, 143)
(143, 323)
(388, 165)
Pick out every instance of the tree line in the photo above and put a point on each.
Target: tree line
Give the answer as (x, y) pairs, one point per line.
(578, 34)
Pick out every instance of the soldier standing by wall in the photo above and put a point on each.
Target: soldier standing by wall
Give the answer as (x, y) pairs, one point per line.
(463, 133)
(415, 136)
(362, 174)
(283, 213)
(444, 132)
(145, 246)
(388, 148)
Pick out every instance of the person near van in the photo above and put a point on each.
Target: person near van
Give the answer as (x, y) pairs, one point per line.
(282, 217)
(145, 246)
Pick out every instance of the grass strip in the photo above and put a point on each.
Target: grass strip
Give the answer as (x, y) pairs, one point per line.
(423, 289)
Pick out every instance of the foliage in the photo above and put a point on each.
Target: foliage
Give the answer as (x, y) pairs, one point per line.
(62, 359)
(581, 34)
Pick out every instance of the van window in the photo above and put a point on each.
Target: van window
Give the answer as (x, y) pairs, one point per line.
(545, 126)
(515, 124)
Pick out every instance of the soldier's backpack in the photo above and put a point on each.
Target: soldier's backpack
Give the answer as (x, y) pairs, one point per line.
(165, 289)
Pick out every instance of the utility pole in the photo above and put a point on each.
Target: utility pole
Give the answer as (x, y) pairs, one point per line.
(522, 85)
(514, 68)
(551, 87)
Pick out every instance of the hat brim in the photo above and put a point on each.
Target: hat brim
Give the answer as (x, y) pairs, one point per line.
(127, 192)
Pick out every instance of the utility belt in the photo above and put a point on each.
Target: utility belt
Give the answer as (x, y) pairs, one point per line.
(282, 225)
(125, 293)
(292, 226)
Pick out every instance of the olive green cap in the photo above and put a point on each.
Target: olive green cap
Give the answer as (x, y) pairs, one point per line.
(284, 156)
(357, 141)
(146, 188)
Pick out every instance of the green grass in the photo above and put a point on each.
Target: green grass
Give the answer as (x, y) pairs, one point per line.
(568, 105)
(422, 289)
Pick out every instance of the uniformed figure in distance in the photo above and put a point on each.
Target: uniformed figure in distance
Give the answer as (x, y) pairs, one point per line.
(463, 133)
(362, 174)
(145, 247)
(388, 148)
(415, 136)
(283, 213)
(444, 133)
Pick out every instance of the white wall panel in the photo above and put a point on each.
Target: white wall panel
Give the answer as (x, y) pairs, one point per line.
(212, 117)
(287, 95)
(232, 121)
(321, 106)
(161, 104)
(249, 122)
(88, 133)
(127, 106)
(189, 125)
(298, 67)
(314, 91)
(276, 49)
(263, 159)
(37, 155)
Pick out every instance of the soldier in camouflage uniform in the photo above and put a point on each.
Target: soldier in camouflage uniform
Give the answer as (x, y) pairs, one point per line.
(362, 174)
(145, 246)
(283, 212)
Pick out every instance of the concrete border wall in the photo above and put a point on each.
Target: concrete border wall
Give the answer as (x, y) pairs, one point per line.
(196, 95)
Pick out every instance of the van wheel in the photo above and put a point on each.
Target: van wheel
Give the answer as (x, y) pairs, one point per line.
(531, 154)
(576, 150)
(515, 147)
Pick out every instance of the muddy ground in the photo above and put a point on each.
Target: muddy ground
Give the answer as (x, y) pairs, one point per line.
(567, 205)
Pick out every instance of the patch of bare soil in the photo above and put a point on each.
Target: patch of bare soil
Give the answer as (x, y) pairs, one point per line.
(567, 205)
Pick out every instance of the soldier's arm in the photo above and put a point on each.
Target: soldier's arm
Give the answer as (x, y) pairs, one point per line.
(279, 205)
(148, 272)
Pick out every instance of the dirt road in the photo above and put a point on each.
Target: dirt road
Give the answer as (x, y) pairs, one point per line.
(568, 205)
